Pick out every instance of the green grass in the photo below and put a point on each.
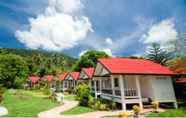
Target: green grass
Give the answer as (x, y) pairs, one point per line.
(170, 113)
(78, 110)
(26, 103)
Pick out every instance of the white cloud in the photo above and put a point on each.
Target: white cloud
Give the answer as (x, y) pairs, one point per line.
(82, 53)
(162, 33)
(109, 41)
(107, 51)
(58, 28)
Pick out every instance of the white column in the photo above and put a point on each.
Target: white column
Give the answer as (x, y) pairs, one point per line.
(100, 83)
(95, 89)
(122, 92)
(112, 84)
(139, 91)
(175, 105)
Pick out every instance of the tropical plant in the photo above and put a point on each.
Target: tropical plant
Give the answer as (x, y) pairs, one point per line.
(112, 104)
(97, 104)
(178, 64)
(82, 94)
(103, 107)
(136, 109)
(155, 105)
(89, 59)
(91, 101)
(123, 114)
(157, 54)
(13, 70)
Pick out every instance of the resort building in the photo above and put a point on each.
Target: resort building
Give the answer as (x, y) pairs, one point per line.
(69, 80)
(86, 76)
(133, 81)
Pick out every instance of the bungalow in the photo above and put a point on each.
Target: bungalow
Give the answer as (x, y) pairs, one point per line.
(73, 77)
(31, 81)
(86, 75)
(69, 80)
(64, 82)
(50, 80)
(133, 81)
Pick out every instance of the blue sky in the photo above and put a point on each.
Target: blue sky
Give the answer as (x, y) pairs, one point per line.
(119, 27)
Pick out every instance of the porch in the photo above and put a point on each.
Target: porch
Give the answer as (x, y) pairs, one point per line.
(124, 89)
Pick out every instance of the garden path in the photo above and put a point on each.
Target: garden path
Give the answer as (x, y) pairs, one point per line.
(56, 112)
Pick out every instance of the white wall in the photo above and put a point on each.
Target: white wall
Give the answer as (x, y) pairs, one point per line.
(146, 86)
(163, 89)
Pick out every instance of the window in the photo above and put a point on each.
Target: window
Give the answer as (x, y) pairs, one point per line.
(116, 82)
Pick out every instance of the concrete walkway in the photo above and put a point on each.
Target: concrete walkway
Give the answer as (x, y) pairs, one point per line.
(56, 112)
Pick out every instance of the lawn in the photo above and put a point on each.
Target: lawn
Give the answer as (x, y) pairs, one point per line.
(78, 110)
(26, 103)
(181, 112)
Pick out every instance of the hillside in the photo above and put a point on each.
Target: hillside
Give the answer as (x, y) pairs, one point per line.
(56, 59)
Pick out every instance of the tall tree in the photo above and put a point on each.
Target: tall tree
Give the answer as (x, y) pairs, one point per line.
(178, 64)
(89, 59)
(157, 54)
(13, 70)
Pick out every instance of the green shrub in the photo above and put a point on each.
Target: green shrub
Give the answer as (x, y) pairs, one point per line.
(2, 90)
(136, 109)
(82, 94)
(103, 107)
(112, 104)
(97, 104)
(91, 101)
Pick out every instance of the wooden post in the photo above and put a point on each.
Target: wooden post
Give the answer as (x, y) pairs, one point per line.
(112, 84)
(139, 91)
(95, 89)
(100, 83)
(122, 92)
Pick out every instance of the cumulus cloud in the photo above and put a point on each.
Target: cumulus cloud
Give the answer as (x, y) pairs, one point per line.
(162, 33)
(59, 27)
(109, 41)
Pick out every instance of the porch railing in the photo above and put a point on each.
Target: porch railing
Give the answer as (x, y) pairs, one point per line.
(129, 92)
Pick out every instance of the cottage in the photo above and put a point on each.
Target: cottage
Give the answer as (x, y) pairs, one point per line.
(133, 81)
(69, 80)
(86, 75)
(31, 81)
(74, 76)
(50, 80)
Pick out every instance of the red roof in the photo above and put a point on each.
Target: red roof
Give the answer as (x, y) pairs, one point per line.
(62, 76)
(74, 75)
(33, 79)
(180, 71)
(181, 80)
(89, 72)
(49, 77)
(133, 66)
